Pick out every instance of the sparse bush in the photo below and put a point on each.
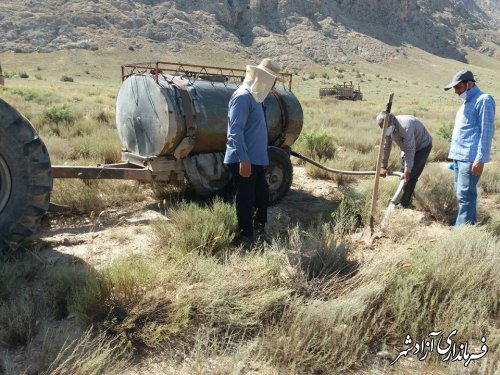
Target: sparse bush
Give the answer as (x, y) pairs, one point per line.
(65, 78)
(325, 75)
(319, 251)
(442, 276)
(348, 216)
(319, 146)
(129, 280)
(445, 131)
(38, 77)
(27, 94)
(490, 179)
(18, 319)
(435, 194)
(23, 75)
(204, 230)
(89, 300)
(60, 114)
(95, 195)
(312, 75)
(440, 150)
(93, 353)
(61, 281)
(103, 117)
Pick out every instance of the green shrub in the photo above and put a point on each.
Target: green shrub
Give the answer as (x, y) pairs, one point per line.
(89, 299)
(319, 146)
(445, 131)
(23, 75)
(27, 94)
(65, 78)
(200, 229)
(348, 216)
(59, 114)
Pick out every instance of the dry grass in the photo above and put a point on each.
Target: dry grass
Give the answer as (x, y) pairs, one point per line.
(195, 228)
(295, 307)
(91, 354)
(93, 196)
(435, 194)
(490, 179)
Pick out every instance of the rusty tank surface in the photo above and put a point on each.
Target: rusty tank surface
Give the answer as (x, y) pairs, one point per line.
(179, 112)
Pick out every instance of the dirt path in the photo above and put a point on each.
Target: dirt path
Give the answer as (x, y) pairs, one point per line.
(98, 240)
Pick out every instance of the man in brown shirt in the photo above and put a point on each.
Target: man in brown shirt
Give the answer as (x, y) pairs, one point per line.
(414, 140)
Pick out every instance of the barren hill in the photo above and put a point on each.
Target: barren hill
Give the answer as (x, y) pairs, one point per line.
(297, 31)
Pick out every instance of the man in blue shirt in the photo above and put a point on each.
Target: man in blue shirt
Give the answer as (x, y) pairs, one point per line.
(246, 148)
(471, 142)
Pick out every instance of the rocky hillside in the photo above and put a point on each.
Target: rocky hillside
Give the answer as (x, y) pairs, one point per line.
(297, 31)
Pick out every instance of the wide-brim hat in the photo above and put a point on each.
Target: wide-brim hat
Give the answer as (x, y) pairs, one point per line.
(267, 66)
(460, 76)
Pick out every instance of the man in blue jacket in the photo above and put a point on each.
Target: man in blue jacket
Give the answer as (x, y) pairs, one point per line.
(471, 142)
(246, 148)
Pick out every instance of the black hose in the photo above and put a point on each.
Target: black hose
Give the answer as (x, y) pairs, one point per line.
(358, 173)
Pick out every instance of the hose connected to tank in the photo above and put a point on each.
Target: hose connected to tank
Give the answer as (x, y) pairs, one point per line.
(356, 173)
(393, 200)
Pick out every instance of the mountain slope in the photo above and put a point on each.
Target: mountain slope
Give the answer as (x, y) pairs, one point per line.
(297, 31)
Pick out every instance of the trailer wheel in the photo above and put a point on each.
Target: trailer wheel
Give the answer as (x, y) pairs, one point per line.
(25, 178)
(279, 174)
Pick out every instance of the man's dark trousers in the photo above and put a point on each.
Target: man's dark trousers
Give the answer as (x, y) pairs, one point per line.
(251, 193)
(418, 166)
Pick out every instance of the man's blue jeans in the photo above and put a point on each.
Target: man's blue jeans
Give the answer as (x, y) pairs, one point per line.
(466, 191)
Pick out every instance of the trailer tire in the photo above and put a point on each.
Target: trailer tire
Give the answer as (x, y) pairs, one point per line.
(25, 178)
(279, 174)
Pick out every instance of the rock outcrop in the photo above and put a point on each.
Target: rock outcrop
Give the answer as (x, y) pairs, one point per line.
(297, 31)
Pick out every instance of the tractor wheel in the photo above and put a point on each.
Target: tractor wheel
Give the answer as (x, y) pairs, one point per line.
(279, 174)
(25, 178)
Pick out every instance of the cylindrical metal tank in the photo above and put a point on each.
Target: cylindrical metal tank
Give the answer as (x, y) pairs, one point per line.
(154, 118)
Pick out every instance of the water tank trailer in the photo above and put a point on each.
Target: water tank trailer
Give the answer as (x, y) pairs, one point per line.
(172, 122)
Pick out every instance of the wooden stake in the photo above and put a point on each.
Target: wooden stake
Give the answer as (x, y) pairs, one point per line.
(377, 168)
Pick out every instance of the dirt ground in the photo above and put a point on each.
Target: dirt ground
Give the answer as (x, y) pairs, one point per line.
(126, 231)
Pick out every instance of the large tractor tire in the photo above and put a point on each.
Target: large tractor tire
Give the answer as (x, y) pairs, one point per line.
(279, 174)
(25, 178)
